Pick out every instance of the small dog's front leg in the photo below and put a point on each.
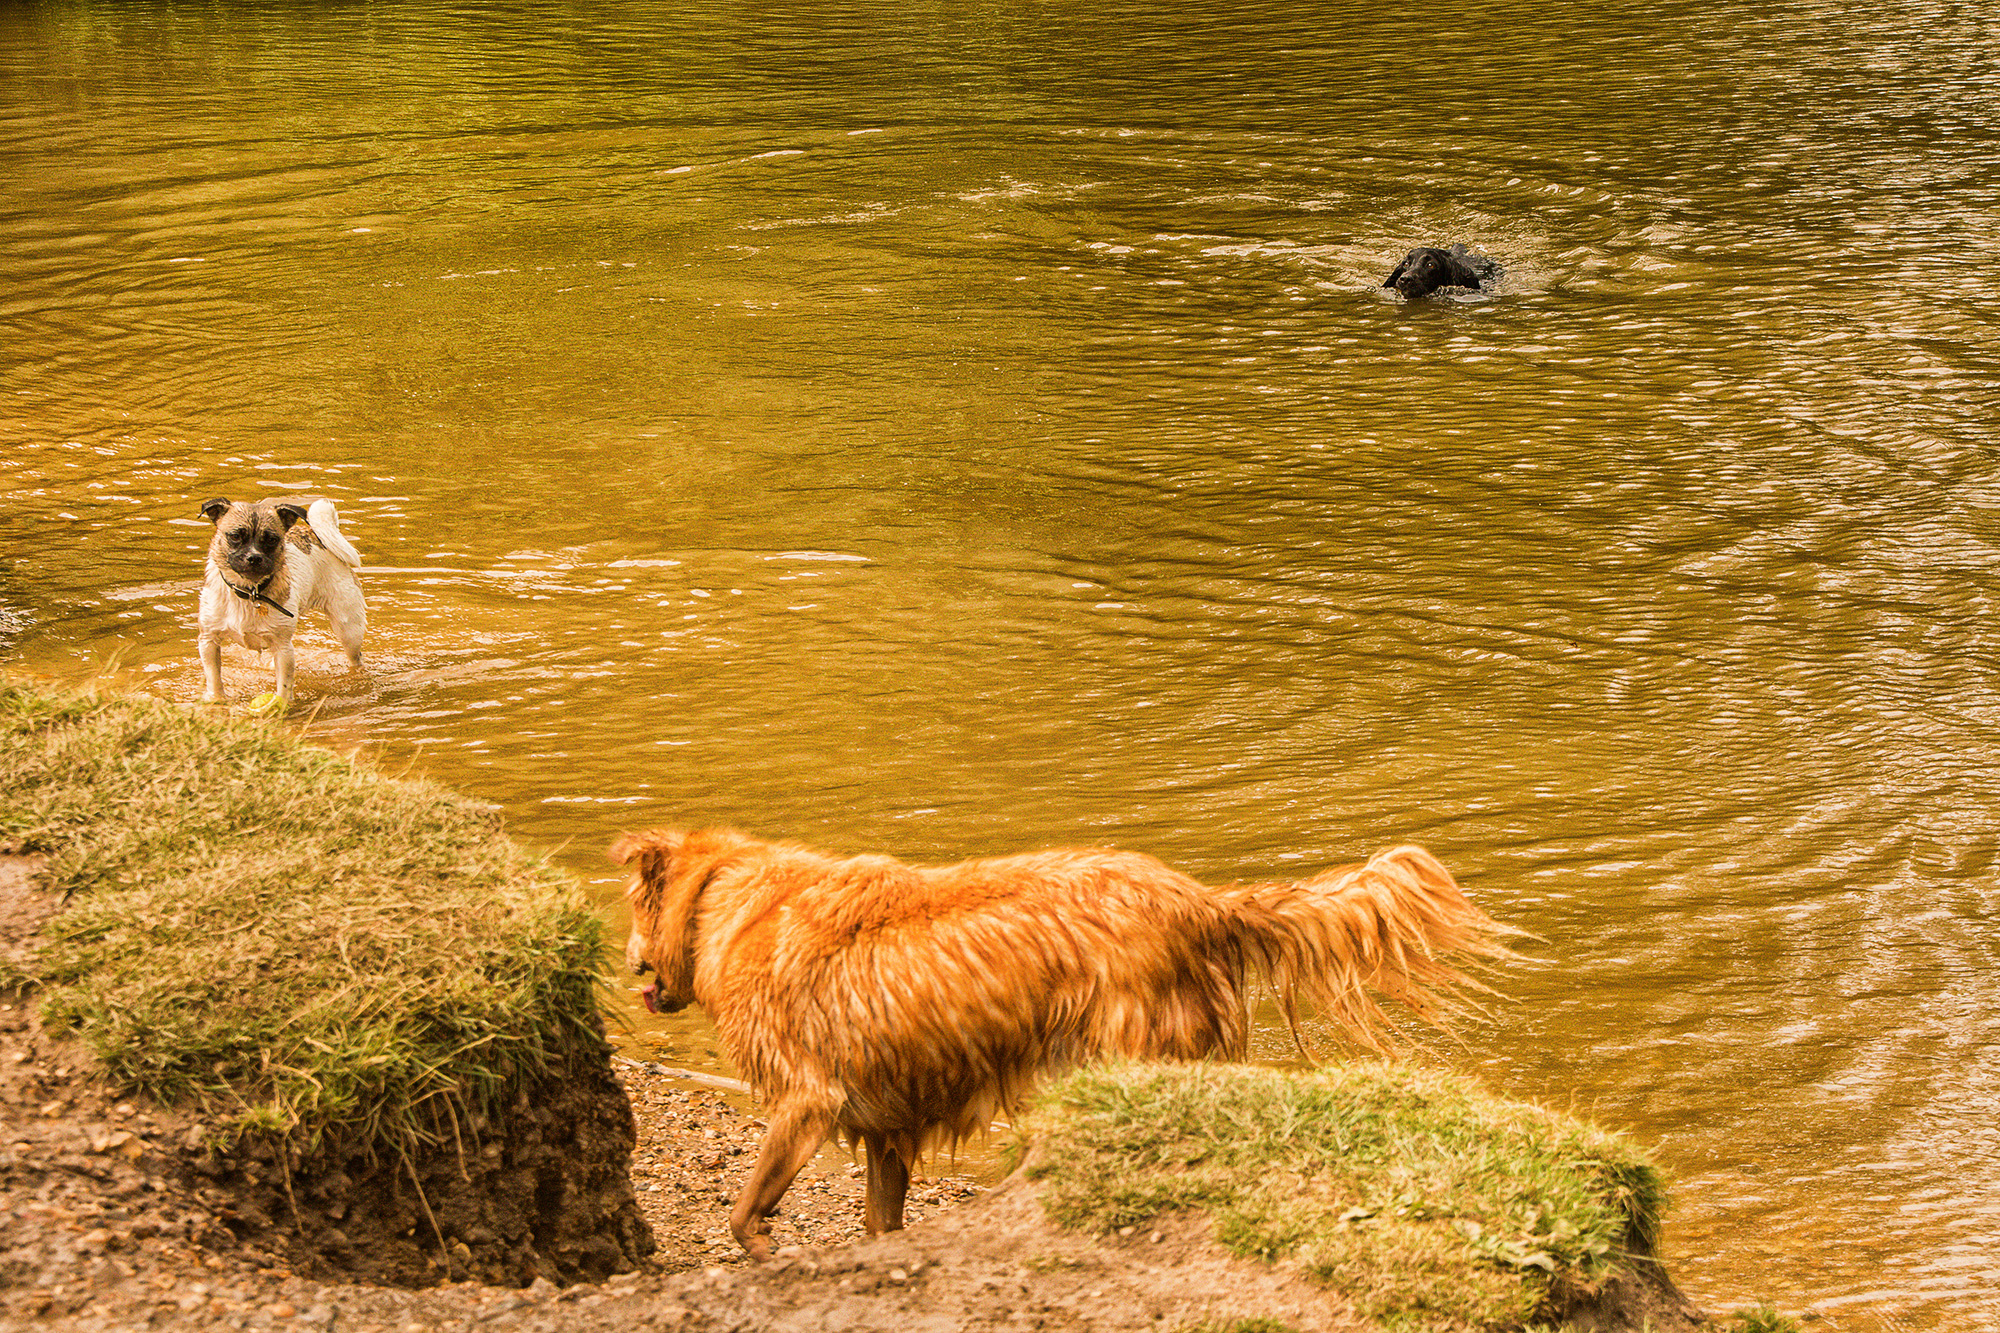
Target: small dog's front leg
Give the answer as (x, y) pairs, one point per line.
(211, 669)
(283, 653)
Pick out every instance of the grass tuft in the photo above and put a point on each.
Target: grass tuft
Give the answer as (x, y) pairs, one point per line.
(1428, 1202)
(283, 936)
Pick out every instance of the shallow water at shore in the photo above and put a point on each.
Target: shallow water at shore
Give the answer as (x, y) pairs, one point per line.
(973, 431)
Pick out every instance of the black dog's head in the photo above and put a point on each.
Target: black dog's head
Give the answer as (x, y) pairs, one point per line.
(250, 538)
(1428, 268)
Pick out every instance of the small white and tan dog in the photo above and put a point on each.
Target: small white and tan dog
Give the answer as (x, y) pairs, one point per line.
(265, 570)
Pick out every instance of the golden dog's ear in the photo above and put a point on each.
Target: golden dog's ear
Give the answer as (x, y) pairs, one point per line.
(651, 855)
(660, 841)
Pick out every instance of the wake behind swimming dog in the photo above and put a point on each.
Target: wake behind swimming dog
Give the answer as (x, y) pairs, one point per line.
(269, 563)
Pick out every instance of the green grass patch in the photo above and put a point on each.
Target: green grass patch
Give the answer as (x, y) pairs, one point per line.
(282, 935)
(1428, 1202)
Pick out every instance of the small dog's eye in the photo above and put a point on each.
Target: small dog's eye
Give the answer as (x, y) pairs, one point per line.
(236, 538)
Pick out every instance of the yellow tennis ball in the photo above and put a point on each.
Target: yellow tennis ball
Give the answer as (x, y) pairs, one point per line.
(269, 702)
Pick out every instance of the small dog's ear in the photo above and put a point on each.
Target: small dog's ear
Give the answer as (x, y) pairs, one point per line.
(289, 514)
(213, 510)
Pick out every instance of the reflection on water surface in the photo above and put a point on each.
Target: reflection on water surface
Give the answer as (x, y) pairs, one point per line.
(954, 432)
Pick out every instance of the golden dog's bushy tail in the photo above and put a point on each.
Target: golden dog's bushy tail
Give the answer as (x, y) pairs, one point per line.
(1344, 937)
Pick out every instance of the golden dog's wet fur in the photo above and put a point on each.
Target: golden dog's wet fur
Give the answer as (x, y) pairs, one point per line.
(903, 1006)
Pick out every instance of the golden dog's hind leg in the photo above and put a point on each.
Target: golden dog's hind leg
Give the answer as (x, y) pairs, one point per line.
(888, 1184)
(794, 1136)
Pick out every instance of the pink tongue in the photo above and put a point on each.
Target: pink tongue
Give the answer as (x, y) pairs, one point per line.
(650, 997)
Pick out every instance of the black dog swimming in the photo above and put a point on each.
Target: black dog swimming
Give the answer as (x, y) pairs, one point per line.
(1427, 268)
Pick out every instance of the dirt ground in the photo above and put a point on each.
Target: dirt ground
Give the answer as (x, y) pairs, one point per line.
(106, 1223)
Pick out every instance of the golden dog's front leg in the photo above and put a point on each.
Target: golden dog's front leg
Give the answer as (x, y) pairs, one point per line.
(794, 1136)
(888, 1186)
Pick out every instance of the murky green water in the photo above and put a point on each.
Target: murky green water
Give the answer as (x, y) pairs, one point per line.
(950, 431)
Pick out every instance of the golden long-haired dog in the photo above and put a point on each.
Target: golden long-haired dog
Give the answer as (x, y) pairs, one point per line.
(902, 1006)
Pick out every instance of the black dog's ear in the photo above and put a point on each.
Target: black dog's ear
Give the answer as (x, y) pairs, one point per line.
(213, 510)
(289, 514)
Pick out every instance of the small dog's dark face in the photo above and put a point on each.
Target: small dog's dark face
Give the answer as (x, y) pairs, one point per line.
(1428, 268)
(250, 538)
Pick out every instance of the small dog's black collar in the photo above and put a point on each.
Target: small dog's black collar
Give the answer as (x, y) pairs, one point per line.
(257, 594)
